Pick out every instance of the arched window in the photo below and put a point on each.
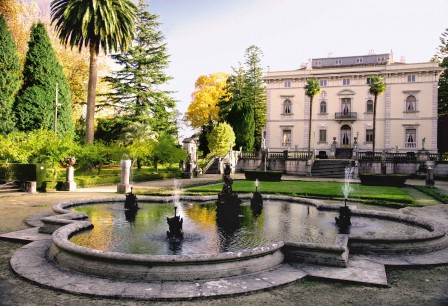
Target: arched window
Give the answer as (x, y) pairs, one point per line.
(323, 107)
(411, 104)
(369, 108)
(287, 107)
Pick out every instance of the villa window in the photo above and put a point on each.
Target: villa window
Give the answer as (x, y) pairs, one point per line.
(338, 62)
(410, 139)
(359, 60)
(287, 84)
(317, 63)
(323, 107)
(411, 78)
(369, 135)
(345, 82)
(381, 59)
(287, 107)
(369, 108)
(322, 135)
(368, 81)
(323, 83)
(286, 138)
(411, 104)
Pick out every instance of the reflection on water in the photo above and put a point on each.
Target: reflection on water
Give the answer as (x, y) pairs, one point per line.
(205, 232)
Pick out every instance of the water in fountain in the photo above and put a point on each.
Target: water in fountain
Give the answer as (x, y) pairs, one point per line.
(346, 189)
(176, 192)
(344, 219)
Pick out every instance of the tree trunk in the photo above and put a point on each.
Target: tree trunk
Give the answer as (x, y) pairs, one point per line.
(374, 126)
(309, 125)
(91, 94)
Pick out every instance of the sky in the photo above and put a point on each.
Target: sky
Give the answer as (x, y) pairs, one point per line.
(209, 36)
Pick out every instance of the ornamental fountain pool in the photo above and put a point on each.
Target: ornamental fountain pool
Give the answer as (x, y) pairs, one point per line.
(145, 233)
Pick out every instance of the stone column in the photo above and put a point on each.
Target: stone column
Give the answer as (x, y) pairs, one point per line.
(124, 186)
(70, 184)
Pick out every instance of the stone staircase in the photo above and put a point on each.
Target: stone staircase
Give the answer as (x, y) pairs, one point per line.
(213, 168)
(329, 168)
(7, 187)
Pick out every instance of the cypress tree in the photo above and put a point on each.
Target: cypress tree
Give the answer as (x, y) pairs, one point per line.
(35, 102)
(9, 77)
(254, 91)
(137, 86)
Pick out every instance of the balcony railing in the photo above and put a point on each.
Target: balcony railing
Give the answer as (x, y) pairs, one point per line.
(346, 116)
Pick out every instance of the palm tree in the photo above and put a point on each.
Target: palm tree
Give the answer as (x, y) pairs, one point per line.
(312, 88)
(105, 24)
(377, 87)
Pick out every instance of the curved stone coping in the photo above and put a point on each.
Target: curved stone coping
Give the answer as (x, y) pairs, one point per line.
(158, 267)
(434, 239)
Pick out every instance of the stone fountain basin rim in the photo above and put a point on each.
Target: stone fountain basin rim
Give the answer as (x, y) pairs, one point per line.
(434, 229)
(61, 239)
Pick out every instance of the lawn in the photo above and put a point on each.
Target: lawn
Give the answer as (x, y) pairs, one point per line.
(329, 190)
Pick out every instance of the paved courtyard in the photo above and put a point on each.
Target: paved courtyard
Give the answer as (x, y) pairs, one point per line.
(420, 285)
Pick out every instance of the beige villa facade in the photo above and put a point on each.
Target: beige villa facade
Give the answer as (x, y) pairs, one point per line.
(342, 115)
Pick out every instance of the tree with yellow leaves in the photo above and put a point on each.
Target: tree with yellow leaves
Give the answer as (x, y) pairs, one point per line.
(19, 16)
(203, 110)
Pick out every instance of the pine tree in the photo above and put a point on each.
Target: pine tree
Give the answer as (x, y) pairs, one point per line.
(237, 111)
(254, 91)
(9, 77)
(35, 102)
(137, 86)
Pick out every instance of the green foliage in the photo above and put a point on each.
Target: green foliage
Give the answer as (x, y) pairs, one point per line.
(238, 112)
(166, 151)
(203, 142)
(9, 77)
(137, 86)
(24, 173)
(434, 193)
(39, 146)
(105, 24)
(221, 139)
(312, 88)
(268, 176)
(35, 102)
(111, 129)
(96, 155)
(377, 87)
(255, 91)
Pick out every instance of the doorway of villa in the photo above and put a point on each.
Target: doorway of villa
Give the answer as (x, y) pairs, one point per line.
(346, 135)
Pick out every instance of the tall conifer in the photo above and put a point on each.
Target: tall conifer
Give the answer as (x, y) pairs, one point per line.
(138, 85)
(9, 77)
(35, 103)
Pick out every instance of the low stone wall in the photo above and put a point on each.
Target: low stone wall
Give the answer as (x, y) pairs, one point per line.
(158, 267)
(289, 166)
(327, 255)
(440, 170)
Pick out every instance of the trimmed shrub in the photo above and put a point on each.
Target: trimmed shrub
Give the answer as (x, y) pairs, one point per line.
(266, 176)
(395, 180)
(24, 173)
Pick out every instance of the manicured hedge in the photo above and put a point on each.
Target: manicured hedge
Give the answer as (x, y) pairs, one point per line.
(266, 176)
(24, 173)
(396, 180)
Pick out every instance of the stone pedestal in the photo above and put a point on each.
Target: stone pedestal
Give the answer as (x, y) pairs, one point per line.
(124, 186)
(70, 184)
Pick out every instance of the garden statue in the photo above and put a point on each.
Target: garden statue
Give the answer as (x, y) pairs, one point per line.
(227, 196)
(70, 184)
(344, 219)
(131, 201)
(256, 203)
(175, 231)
